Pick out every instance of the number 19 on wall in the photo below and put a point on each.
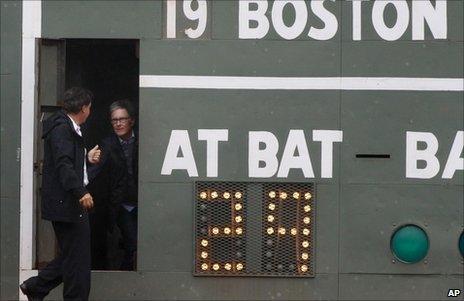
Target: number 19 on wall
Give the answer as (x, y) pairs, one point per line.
(186, 18)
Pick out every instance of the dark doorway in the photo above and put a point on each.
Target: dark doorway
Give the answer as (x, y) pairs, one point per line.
(110, 69)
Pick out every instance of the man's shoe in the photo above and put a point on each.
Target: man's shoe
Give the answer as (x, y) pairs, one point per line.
(30, 297)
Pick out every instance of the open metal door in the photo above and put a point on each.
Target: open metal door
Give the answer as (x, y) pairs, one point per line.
(51, 81)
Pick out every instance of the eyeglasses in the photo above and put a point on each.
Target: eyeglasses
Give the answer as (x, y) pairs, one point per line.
(122, 120)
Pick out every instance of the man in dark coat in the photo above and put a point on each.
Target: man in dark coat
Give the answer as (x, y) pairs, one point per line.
(65, 200)
(117, 177)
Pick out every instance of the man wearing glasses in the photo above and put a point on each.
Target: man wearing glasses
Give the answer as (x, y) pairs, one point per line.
(118, 171)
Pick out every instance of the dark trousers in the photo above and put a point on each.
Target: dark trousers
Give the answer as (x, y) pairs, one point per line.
(127, 223)
(99, 230)
(72, 266)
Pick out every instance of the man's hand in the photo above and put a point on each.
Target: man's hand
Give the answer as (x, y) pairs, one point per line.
(86, 201)
(94, 155)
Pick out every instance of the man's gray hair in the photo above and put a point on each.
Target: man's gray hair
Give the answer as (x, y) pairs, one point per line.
(123, 104)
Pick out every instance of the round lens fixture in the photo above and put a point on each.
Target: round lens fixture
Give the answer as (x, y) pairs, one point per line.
(227, 266)
(293, 231)
(227, 231)
(409, 244)
(226, 195)
(283, 195)
(305, 231)
(238, 219)
(307, 208)
(270, 231)
(272, 194)
(239, 231)
(238, 206)
(304, 256)
(271, 206)
(270, 218)
(238, 195)
(306, 220)
(304, 268)
(204, 255)
(216, 266)
(296, 195)
(305, 244)
(307, 196)
(215, 230)
(461, 244)
(282, 231)
(203, 195)
(214, 194)
(204, 266)
(204, 242)
(239, 266)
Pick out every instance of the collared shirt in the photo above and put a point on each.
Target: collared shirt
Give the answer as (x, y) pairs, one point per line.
(128, 147)
(77, 128)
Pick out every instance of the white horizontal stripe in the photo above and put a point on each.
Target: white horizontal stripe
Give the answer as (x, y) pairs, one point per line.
(302, 83)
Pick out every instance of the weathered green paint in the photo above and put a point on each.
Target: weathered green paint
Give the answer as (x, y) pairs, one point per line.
(101, 19)
(357, 210)
(10, 101)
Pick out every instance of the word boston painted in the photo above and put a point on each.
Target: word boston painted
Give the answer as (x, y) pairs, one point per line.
(263, 159)
(254, 22)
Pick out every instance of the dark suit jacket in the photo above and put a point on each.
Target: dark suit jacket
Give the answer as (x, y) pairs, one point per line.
(110, 183)
(62, 179)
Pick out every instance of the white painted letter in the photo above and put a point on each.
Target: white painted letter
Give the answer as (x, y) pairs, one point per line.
(296, 142)
(179, 140)
(212, 138)
(402, 19)
(301, 17)
(245, 15)
(327, 139)
(268, 155)
(356, 20)
(428, 155)
(455, 161)
(330, 22)
(436, 19)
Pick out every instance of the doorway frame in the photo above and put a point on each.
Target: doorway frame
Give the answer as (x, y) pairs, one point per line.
(31, 33)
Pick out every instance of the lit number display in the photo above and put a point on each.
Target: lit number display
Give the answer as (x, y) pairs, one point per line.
(254, 229)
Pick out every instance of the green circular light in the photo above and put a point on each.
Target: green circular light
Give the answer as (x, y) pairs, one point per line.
(461, 244)
(409, 244)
